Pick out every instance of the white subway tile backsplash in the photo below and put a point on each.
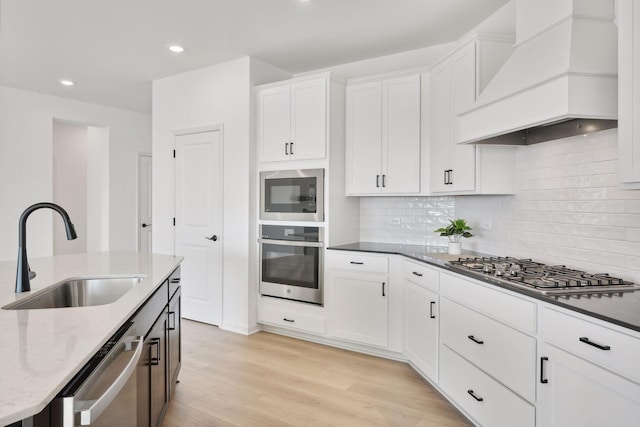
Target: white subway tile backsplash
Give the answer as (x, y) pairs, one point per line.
(569, 209)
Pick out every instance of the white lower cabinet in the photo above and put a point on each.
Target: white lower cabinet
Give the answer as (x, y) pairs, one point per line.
(421, 329)
(421, 306)
(291, 315)
(486, 400)
(577, 386)
(358, 299)
(580, 393)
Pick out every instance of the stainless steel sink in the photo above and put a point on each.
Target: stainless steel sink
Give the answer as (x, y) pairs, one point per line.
(78, 292)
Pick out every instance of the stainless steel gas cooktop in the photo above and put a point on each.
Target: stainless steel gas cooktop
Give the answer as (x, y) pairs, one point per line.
(541, 278)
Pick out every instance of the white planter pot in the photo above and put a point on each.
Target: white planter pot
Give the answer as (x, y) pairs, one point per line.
(455, 248)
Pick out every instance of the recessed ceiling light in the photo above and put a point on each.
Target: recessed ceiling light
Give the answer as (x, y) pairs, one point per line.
(175, 48)
(66, 82)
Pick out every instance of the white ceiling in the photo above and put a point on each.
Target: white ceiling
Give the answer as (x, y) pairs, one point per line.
(113, 49)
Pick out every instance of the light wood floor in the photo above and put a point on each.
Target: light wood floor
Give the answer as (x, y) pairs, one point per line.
(265, 380)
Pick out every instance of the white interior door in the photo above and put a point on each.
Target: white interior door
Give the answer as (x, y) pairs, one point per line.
(198, 236)
(144, 203)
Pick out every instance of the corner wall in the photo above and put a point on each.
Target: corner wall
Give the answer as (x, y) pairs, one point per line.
(214, 95)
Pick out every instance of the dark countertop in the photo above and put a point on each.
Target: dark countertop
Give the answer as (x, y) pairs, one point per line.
(620, 309)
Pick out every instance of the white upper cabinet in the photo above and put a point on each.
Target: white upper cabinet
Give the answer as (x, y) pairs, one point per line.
(383, 136)
(629, 92)
(456, 81)
(292, 121)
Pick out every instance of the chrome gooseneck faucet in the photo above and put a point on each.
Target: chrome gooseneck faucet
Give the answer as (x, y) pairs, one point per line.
(24, 274)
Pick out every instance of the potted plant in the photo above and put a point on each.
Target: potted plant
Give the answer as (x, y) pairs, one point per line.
(456, 230)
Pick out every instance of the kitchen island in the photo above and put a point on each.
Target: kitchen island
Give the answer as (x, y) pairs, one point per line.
(42, 349)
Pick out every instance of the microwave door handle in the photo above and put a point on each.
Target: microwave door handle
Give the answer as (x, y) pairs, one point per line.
(91, 414)
(291, 243)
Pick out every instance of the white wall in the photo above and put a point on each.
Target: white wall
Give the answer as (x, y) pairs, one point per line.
(70, 185)
(98, 189)
(220, 94)
(26, 123)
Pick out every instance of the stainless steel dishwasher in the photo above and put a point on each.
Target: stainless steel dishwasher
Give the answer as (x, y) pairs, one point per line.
(104, 392)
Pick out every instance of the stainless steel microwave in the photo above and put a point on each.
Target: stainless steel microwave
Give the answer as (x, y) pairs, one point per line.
(292, 195)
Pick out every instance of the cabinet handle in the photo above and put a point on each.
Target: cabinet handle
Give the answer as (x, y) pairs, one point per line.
(415, 273)
(431, 305)
(383, 293)
(472, 393)
(288, 320)
(445, 177)
(291, 148)
(286, 148)
(172, 315)
(543, 380)
(175, 280)
(384, 181)
(155, 360)
(594, 344)
(377, 181)
(356, 262)
(475, 340)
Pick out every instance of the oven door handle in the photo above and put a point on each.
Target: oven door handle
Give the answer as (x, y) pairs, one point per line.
(93, 412)
(291, 243)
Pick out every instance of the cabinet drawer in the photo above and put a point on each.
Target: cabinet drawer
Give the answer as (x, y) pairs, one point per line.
(570, 333)
(356, 261)
(499, 406)
(422, 275)
(291, 318)
(498, 304)
(506, 354)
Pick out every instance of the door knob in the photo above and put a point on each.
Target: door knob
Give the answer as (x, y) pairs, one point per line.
(145, 225)
(212, 238)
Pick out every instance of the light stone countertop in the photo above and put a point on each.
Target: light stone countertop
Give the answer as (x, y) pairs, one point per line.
(41, 350)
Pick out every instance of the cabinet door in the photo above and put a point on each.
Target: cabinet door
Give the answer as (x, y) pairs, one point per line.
(421, 329)
(174, 323)
(463, 86)
(440, 144)
(579, 393)
(364, 138)
(308, 120)
(274, 123)
(359, 307)
(628, 17)
(401, 135)
(158, 369)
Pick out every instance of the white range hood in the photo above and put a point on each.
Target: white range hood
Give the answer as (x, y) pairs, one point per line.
(561, 79)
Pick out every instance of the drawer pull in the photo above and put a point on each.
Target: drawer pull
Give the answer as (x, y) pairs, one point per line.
(471, 392)
(288, 320)
(356, 262)
(415, 273)
(475, 340)
(383, 293)
(594, 344)
(431, 315)
(543, 380)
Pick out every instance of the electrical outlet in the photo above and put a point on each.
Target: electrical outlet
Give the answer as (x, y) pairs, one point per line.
(486, 225)
(394, 221)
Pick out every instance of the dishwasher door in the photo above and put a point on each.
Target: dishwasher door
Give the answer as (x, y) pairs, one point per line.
(108, 395)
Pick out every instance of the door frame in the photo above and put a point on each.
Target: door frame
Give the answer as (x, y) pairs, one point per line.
(139, 156)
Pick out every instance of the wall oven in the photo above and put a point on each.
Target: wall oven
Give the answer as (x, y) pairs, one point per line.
(292, 260)
(292, 195)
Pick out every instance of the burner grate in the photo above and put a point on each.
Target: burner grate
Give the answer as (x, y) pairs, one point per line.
(542, 278)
